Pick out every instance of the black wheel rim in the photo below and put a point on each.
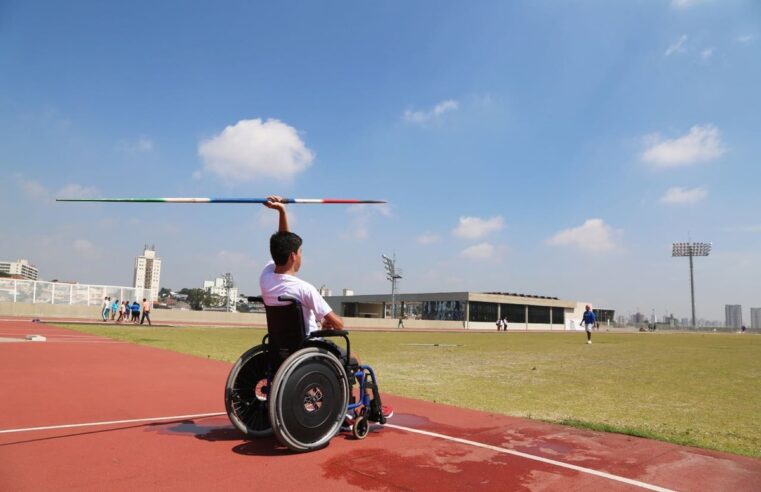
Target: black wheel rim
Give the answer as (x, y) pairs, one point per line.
(248, 397)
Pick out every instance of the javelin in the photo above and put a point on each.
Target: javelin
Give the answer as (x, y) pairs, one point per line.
(219, 200)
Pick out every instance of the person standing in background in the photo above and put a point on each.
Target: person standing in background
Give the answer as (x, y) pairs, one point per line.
(146, 312)
(589, 322)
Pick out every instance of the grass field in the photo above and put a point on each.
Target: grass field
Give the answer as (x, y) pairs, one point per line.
(697, 389)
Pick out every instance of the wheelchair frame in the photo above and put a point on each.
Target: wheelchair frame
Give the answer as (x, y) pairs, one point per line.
(262, 398)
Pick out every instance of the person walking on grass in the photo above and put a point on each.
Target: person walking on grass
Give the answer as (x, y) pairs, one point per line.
(589, 322)
(114, 309)
(504, 323)
(146, 312)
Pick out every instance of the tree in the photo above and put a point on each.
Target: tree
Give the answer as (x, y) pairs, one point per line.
(200, 298)
(195, 298)
(164, 292)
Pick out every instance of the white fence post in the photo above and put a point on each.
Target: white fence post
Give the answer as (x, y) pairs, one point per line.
(15, 289)
(34, 292)
(52, 295)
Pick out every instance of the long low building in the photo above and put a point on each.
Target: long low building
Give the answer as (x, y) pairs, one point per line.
(479, 310)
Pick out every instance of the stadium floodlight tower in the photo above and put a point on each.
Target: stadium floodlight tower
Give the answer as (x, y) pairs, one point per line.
(392, 274)
(691, 249)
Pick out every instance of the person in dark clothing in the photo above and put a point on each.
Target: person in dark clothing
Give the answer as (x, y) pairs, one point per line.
(589, 322)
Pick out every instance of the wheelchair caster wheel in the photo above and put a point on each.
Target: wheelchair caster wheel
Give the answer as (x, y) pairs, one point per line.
(361, 427)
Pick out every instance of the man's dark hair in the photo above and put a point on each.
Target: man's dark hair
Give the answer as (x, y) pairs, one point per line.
(282, 244)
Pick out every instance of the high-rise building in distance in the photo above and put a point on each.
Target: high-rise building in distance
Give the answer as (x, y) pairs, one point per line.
(755, 317)
(733, 315)
(148, 272)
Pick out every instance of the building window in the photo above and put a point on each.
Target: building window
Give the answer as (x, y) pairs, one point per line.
(483, 311)
(539, 314)
(558, 316)
(444, 310)
(413, 310)
(515, 313)
(350, 309)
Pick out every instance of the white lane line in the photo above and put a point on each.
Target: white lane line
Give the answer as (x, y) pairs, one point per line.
(113, 422)
(498, 449)
(467, 442)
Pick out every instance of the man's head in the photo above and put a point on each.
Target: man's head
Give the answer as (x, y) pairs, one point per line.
(588, 308)
(284, 247)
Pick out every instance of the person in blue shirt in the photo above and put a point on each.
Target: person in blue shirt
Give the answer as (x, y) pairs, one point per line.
(589, 322)
(135, 312)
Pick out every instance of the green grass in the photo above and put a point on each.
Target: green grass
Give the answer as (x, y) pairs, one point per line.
(697, 389)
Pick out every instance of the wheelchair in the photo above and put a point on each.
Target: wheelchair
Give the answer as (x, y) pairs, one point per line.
(298, 386)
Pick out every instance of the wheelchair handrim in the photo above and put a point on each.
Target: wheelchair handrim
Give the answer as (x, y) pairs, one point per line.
(332, 383)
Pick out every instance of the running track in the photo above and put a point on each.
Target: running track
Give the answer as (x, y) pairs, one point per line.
(151, 421)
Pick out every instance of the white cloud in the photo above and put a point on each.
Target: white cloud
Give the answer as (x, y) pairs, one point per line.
(268, 219)
(479, 252)
(142, 144)
(252, 149)
(32, 189)
(747, 228)
(232, 260)
(678, 196)
(434, 114)
(677, 47)
(745, 38)
(476, 227)
(683, 4)
(707, 53)
(594, 236)
(83, 246)
(361, 217)
(427, 238)
(77, 191)
(702, 143)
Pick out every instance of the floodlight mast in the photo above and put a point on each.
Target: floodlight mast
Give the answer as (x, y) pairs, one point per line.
(393, 274)
(690, 250)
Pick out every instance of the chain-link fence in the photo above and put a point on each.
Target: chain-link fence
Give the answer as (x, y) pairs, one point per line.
(30, 291)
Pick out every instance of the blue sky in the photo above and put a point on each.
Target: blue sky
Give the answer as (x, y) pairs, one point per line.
(547, 147)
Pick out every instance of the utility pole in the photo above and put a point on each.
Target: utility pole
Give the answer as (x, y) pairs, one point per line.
(392, 274)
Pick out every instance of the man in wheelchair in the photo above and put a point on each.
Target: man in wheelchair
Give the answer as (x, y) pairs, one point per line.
(297, 383)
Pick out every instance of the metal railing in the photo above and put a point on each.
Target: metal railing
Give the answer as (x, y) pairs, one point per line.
(40, 292)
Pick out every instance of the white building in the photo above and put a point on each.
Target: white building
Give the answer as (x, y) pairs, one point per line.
(219, 286)
(755, 317)
(733, 315)
(19, 268)
(148, 272)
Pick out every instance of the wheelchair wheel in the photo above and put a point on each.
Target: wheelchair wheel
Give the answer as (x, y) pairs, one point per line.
(246, 393)
(310, 393)
(361, 427)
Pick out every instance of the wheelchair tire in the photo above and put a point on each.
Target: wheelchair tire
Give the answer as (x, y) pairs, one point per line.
(308, 401)
(361, 427)
(246, 398)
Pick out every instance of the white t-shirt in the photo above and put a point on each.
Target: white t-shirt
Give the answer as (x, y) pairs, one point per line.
(274, 285)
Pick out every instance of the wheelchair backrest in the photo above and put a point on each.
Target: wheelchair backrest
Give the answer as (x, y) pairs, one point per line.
(285, 326)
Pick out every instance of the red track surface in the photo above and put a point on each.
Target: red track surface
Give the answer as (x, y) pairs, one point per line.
(74, 378)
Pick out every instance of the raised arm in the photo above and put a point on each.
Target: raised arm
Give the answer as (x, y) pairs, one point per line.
(276, 202)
